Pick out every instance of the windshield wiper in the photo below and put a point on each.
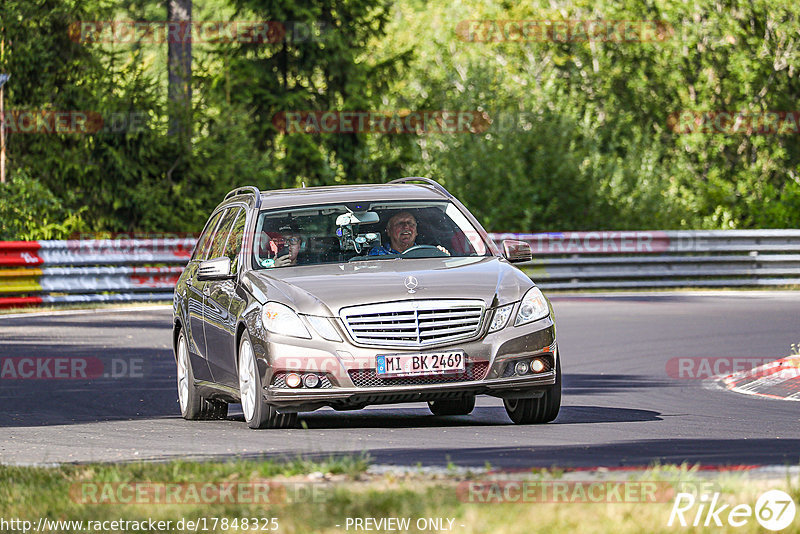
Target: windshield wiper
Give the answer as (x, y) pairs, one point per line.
(375, 257)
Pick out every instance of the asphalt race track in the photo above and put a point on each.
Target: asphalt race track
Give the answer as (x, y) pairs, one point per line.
(622, 404)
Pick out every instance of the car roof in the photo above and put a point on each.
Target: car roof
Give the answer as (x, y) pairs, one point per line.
(348, 193)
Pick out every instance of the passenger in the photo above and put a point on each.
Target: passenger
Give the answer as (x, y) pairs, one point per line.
(402, 232)
(291, 242)
(267, 250)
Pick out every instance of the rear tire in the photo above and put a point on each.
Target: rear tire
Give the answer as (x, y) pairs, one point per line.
(194, 407)
(257, 413)
(537, 411)
(462, 406)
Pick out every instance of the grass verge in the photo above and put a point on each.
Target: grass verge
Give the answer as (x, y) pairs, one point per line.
(328, 496)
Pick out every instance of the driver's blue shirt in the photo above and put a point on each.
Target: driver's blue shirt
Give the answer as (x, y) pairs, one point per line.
(385, 249)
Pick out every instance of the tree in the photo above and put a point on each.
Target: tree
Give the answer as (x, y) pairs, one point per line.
(179, 14)
(319, 60)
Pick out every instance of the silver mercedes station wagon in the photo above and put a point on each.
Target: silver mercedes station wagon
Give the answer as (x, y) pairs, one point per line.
(348, 296)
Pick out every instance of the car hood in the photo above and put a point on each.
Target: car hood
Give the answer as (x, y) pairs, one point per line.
(325, 289)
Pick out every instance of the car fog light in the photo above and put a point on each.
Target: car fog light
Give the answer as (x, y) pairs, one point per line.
(311, 380)
(293, 380)
(537, 366)
(521, 368)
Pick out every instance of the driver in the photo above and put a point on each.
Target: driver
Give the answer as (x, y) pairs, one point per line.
(402, 232)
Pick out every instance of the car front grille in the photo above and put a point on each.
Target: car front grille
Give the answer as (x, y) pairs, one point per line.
(413, 323)
(368, 378)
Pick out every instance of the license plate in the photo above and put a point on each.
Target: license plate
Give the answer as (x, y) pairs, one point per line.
(435, 363)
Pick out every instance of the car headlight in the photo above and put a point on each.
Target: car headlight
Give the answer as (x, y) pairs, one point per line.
(280, 319)
(532, 307)
(323, 327)
(500, 319)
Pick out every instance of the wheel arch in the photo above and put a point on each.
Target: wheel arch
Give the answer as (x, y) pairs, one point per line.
(241, 328)
(176, 330)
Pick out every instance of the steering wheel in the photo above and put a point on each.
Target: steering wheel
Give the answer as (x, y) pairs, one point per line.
(423, 251)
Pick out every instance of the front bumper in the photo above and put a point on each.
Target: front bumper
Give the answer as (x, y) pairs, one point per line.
(353, 398)
(338, 360)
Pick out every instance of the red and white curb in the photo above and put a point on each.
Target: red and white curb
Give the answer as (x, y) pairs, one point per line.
(776, 380)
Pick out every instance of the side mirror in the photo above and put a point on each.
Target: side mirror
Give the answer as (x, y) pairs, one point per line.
(216, 269)
(517, 251)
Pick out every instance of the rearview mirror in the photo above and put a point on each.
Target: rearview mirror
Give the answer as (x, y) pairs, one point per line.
(216, 269)
(517, 251)
(361, 217)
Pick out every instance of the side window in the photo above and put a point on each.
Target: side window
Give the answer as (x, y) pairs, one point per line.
(221, 235)
(201, 249)
(234, 245)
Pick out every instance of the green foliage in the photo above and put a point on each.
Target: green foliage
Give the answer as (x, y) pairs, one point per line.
(591, 145)
(30, 212)
(322, 63)
(580, 132)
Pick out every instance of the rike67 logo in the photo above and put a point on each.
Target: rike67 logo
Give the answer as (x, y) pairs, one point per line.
(774, 510)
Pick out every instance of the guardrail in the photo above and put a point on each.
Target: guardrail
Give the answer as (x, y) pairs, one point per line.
(662, 259)
(53, 272)
(110, 270)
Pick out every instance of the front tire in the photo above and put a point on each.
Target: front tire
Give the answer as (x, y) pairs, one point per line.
(462, 406)
(257, 413)
(194, 406)
(537, 411)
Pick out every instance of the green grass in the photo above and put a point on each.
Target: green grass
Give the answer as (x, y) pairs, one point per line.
(316, 496)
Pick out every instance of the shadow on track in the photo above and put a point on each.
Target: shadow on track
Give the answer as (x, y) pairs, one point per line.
(131, 384)
(481, 416)
(594, 384)
(731, 452)
(638, 453)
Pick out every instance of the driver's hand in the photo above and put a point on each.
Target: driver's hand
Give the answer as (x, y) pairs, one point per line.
(440, 247)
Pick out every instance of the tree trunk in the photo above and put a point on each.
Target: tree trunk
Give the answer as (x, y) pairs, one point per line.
(179, 68)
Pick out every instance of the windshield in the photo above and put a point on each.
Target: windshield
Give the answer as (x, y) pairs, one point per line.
(363, 231)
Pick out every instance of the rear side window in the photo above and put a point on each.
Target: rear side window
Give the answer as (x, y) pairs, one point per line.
(203, 244)
(234, 244)
(221, 234)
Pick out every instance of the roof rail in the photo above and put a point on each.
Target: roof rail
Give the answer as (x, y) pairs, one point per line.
(246, 190)
(436, 185)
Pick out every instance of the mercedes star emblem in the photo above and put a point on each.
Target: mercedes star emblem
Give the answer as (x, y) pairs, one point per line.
(411, 283)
